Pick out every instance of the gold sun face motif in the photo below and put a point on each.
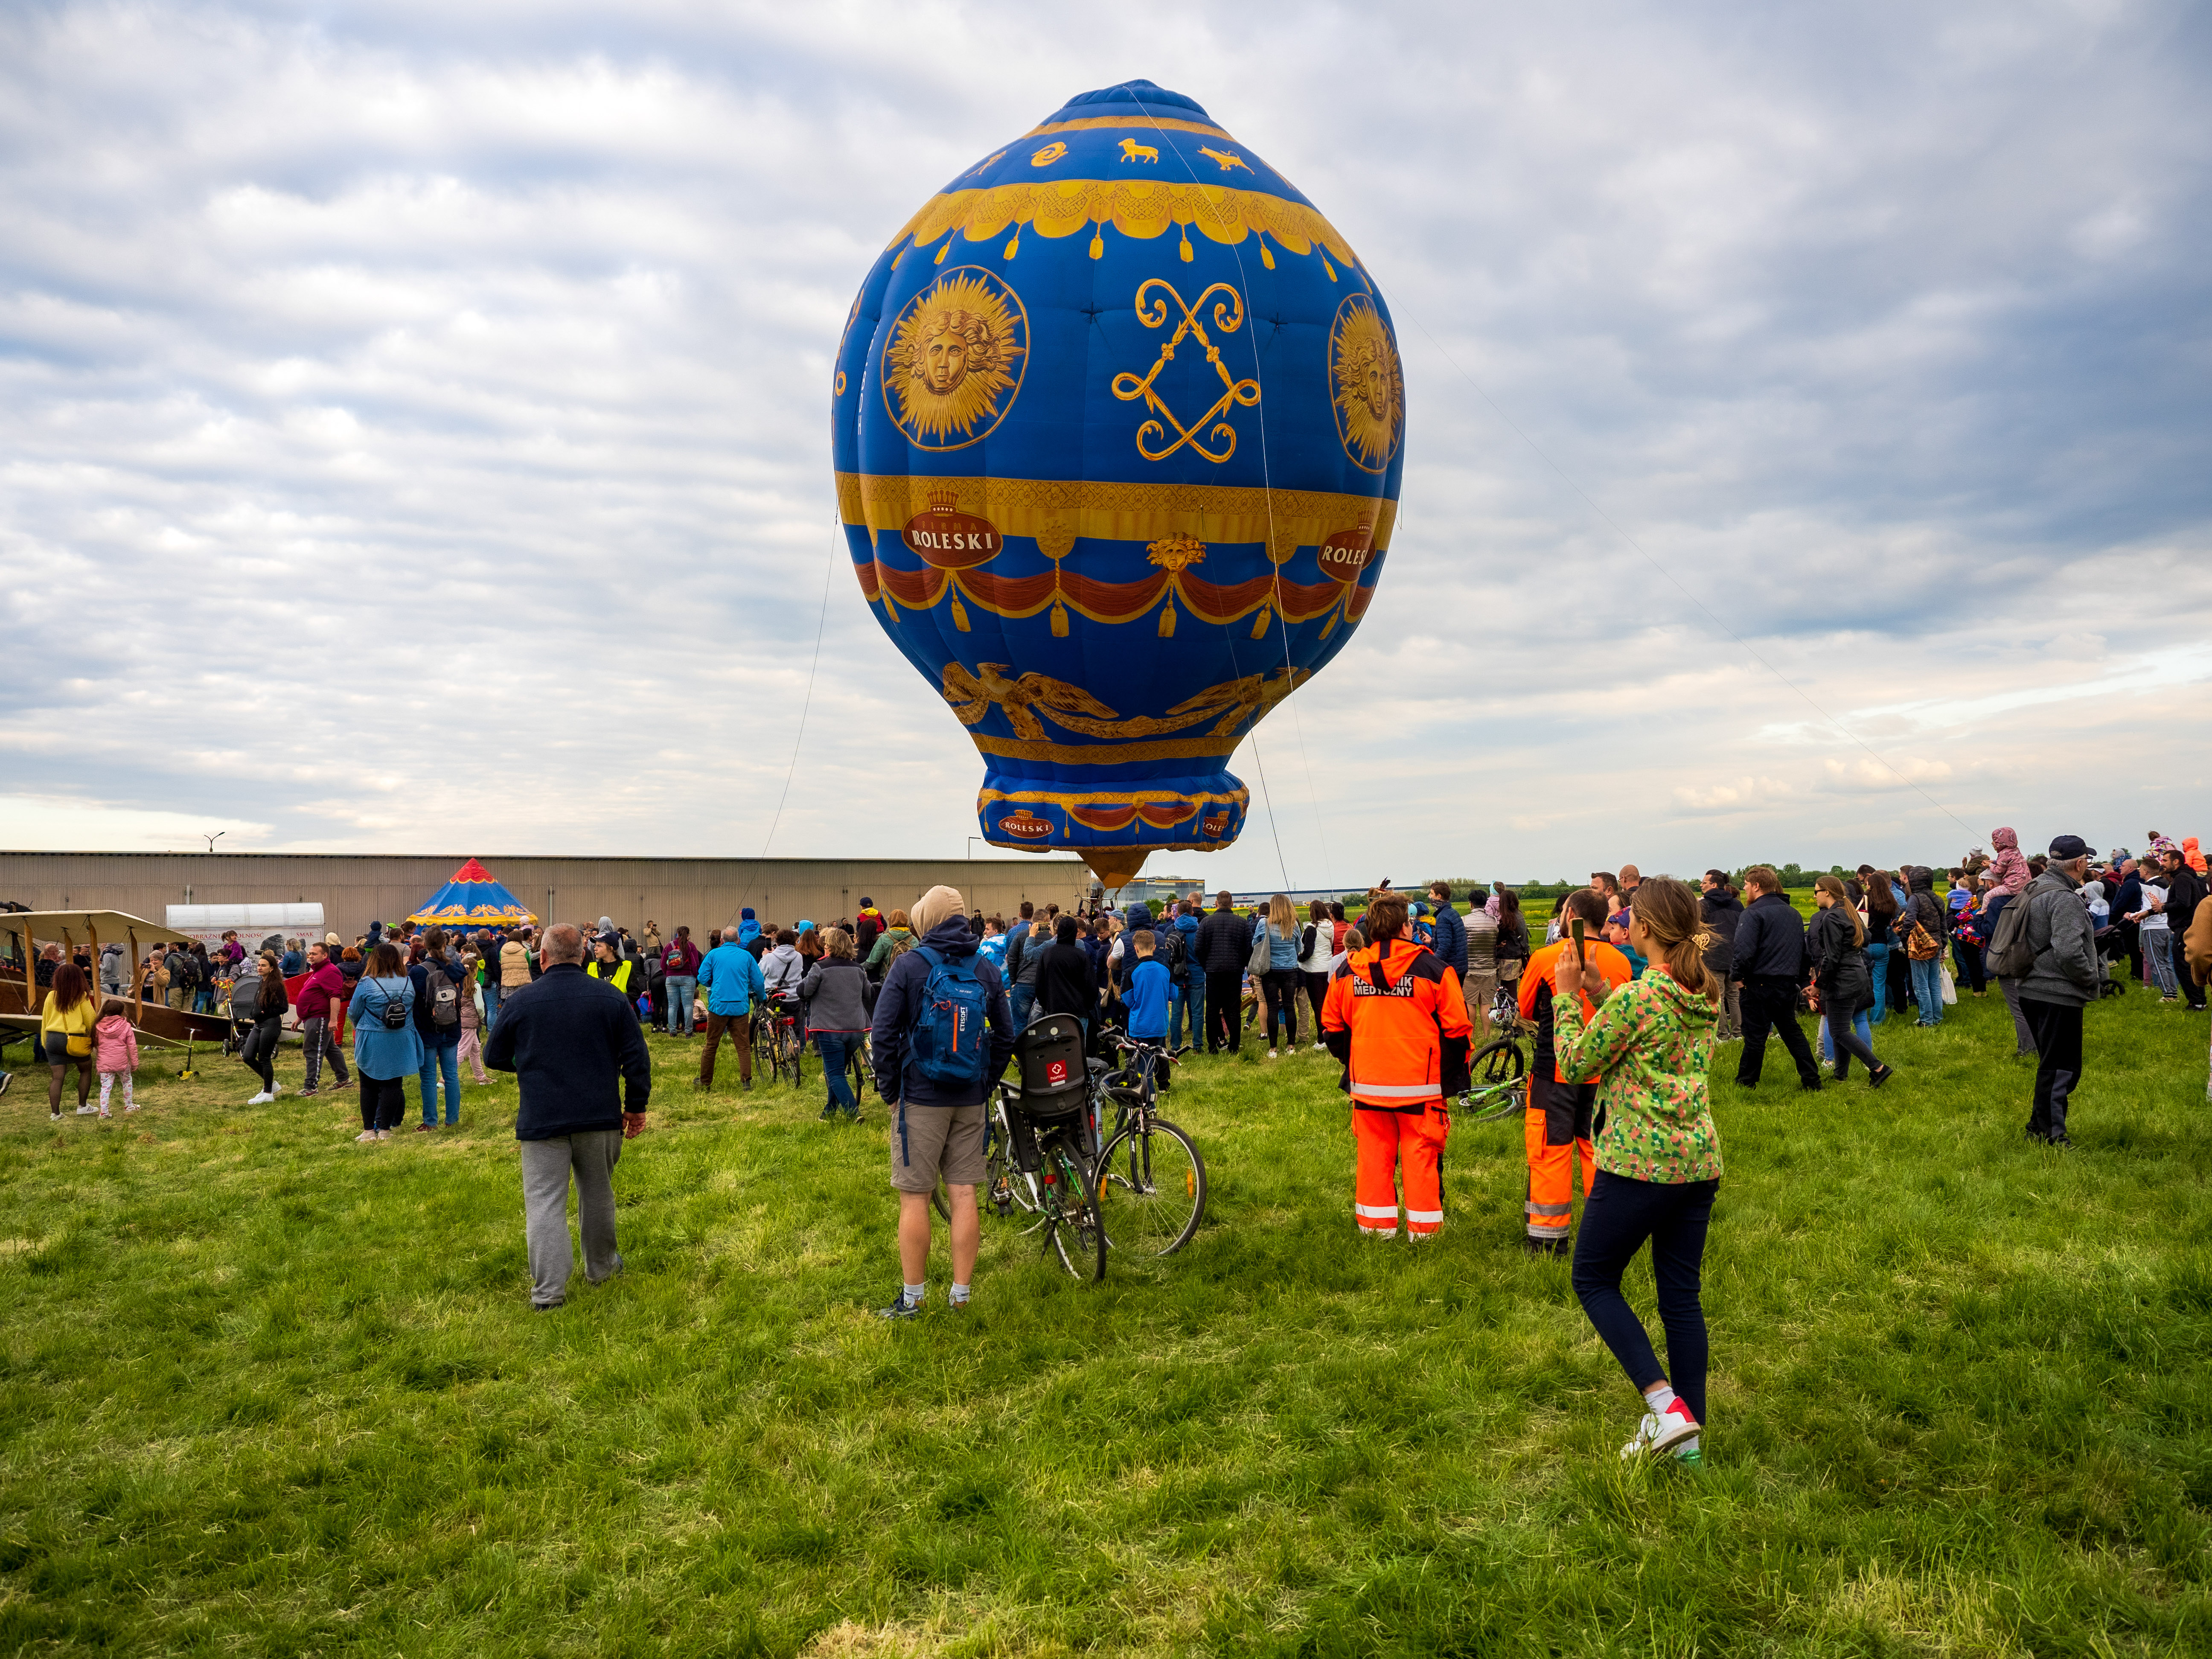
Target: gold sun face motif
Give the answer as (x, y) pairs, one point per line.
(954, 365)
(1368, 386)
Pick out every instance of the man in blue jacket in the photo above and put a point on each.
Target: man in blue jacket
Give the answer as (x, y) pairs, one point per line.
(936, 1129)
(730, 976)
(581, 1062)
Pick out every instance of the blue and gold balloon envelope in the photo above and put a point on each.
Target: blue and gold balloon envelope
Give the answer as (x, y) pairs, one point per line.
(1119, 423)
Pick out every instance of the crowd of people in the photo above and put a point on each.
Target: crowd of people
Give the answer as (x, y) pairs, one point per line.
(1633, 984)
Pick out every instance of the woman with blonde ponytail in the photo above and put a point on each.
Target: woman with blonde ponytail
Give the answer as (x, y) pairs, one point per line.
(1658, 1155)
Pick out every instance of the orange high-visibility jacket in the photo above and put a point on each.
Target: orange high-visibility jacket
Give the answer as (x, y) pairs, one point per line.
(1398, 1020)
(1536, 992)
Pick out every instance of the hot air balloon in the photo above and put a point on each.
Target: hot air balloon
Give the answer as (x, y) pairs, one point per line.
(1119, 424)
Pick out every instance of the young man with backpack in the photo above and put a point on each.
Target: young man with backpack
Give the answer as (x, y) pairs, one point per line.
(440, 985)
(943, 1033)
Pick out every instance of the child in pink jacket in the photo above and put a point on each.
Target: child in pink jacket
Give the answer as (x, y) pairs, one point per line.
(115, 1049)
(2008, 870)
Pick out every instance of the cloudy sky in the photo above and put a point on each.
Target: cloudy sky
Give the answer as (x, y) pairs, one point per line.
(413, 432)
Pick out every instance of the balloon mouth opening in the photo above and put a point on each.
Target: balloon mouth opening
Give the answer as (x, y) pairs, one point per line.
(1121, 825)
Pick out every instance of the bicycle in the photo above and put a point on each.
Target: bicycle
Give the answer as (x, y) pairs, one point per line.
(1149, 1166)
(779, 1044)
(1061, 1191)
(1498, 1072)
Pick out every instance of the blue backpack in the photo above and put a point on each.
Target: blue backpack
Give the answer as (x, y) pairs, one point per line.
(951, 1029)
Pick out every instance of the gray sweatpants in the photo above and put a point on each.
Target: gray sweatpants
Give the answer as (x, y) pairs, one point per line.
(2023, 1034)
(545, 1169)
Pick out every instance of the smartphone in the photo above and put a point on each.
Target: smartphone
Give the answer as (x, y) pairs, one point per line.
(1575, 927)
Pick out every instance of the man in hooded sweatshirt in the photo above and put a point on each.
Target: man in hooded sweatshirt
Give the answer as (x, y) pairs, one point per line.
(1923, 908)
(937, 1124)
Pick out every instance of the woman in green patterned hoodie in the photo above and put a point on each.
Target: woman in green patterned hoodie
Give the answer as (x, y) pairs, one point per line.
(1658, 1157)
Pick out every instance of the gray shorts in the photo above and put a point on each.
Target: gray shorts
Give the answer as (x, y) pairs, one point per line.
(927, 1141)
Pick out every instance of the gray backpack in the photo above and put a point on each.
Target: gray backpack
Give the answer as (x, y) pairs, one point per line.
(2010, 955)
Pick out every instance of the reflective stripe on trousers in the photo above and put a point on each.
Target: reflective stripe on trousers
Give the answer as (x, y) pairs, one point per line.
(1552, 1178)
(1396, 1146)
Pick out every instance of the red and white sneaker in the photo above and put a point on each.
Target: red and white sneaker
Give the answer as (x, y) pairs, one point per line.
(1661, 1431)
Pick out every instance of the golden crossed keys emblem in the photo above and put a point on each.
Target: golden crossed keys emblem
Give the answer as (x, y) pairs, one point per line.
(1228, 316)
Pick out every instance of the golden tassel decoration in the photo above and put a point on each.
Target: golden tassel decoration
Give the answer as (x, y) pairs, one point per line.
(947, 248)
(1186, 248)
(959, 613)
(1097, 246)
(1167, 620)
(1058, 620)
(1260, 623)
(1325, 265)
(890, 610)
(1266, 257)
(1013, 244)
(1330, 627)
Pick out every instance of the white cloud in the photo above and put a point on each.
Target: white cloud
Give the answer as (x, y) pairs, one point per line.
(412, 436)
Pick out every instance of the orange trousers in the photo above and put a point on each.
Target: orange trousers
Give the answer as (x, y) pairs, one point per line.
(1555, 1128)
(1394, 1144)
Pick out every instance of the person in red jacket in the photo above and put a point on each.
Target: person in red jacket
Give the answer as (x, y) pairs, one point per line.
(321, 1007)
(1556, 1128)
(1396, 1019)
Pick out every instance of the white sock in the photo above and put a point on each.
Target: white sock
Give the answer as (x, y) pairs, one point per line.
(915, 1292)
(1659, 1398)
(958, 1296)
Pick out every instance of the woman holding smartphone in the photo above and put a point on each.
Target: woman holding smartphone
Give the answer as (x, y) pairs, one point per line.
(1658, 1153)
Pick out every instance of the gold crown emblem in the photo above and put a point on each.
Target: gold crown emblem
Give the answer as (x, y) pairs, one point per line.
(944, 500)
(1176, 552)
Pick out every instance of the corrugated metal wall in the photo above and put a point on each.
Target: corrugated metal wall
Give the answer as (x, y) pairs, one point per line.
(705, 893)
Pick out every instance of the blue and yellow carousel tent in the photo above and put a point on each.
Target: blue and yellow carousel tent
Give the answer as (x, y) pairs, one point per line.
(472, 900)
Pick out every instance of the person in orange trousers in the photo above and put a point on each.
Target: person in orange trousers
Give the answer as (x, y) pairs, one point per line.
(1396, 1018)
(1556, 1126)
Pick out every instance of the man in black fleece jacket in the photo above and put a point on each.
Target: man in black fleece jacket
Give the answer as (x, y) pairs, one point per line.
(1768, 955)
(584, 1075)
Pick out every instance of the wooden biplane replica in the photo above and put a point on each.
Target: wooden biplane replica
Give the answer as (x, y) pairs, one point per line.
(22, 996)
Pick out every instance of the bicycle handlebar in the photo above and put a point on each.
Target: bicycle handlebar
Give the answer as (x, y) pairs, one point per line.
(1158, 1050)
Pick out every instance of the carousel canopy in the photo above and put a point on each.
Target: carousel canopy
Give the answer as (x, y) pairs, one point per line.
(472, 900)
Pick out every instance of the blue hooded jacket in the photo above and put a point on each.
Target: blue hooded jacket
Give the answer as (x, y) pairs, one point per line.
(748, 929)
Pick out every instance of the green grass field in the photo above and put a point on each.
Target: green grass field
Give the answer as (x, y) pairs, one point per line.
(265, 1391)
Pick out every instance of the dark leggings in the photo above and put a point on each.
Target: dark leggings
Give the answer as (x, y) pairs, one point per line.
(1618, 1216)
(383, 1101)
(1279, 989)
(1316, 994)
(260, 1050)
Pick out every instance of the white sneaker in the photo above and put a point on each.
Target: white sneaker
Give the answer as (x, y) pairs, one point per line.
(1271, 1053)
(276, 1090)
(87, 1109)
(1321, 1048)
(366, 1134)
(261, 1099)
(1661, 1431)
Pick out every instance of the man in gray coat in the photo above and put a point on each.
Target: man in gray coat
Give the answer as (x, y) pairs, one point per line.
(2064, 982)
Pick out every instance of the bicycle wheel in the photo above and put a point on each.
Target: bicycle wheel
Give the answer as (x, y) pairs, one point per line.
(795, 1045)
(1071, 1208)
(1152, 1189)
(1497, 1077)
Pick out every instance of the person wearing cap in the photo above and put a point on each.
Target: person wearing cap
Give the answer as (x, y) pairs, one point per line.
(937, 1126)
(2063, 982)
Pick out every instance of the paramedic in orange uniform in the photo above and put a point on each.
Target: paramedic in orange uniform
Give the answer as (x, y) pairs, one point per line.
(1556, 1125)
(1396, 1019)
